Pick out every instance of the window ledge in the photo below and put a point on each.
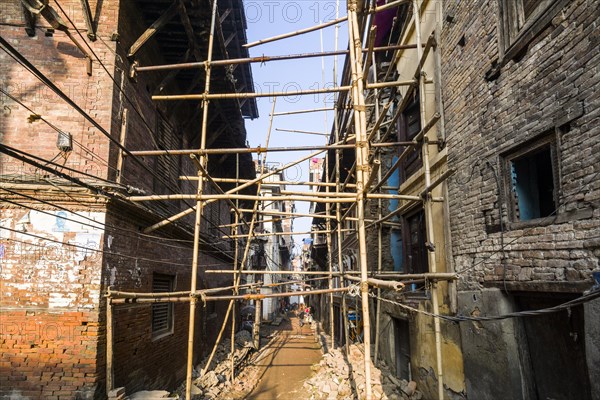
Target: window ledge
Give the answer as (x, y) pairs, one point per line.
(158, 336)
(575, 215)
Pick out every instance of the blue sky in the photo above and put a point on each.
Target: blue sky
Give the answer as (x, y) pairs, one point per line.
(269, 18)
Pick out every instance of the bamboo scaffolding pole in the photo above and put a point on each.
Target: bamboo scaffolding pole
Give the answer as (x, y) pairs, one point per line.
(190, 210)
(321, 26)
(263, 272)
(261, 296)
(199, 210)
(253, 95)
(295, 33)
(291, 214)
(315, 197)
(324, 231)
(109, 345)
(362, 149)
(379, 283)
(234, 230)
(302, 112)
(380, 205)
(231, 298)
(299, 131)
(240, 197)
(261, 59)
(246, 249)
(337, 186)
(427, 203)
(287, 183)
(418, 138)
(260, 150)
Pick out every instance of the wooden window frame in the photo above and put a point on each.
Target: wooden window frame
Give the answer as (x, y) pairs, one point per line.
(517, 31)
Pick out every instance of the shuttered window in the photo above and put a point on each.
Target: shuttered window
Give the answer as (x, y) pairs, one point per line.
(162, 313)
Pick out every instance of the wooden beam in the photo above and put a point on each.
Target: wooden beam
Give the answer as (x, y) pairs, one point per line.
(172, 74)
(153, 29)
(189, 30)
(89, 21)
(29, 21)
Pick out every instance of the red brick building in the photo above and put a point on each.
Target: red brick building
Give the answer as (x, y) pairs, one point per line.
(69, 108)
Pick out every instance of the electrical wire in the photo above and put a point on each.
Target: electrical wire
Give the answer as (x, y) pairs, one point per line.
(593, 294)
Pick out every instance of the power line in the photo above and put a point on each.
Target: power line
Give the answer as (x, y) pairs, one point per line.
(595, 293)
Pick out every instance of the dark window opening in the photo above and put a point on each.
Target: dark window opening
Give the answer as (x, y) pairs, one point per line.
(162, 313)
(533, 181)
(409, 126)
(415, 237)
(402, 348)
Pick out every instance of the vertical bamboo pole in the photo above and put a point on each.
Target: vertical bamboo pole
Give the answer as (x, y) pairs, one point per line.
(362, 156)
(199, 210)
(257, 320)
(338, 210)
(109, 344)
(428, 207)
(246, 250)
(379, 215)
(329, 256)
(235, 266)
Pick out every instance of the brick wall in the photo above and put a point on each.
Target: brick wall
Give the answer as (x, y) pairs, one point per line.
(553, 86)
(58, 58)
(49, 299)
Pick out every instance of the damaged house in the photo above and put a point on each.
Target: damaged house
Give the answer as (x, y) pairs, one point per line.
(72, 113)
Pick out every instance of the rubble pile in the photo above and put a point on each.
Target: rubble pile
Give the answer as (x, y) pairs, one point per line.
(215, 384)
(338, 376)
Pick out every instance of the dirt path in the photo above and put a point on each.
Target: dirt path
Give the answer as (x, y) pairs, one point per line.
(287, 363)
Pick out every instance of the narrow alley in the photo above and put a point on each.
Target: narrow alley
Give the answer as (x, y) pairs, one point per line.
(307, 200)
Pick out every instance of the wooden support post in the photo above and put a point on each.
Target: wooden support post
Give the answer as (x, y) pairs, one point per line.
(109, 345)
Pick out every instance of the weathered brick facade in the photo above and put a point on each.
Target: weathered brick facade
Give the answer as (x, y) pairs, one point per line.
(499, 104)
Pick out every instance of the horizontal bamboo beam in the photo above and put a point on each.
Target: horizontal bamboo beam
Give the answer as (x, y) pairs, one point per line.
(190, 210)
(206, 197)
(260, 296)
(299, 131)
(295, 33)
(323, 25)
(287, 183)
(290, 214)
(253, 235)
(278, 114)
(261, 59)
(253, 95)
(246, 150)
(379, 283)
(263, 272)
